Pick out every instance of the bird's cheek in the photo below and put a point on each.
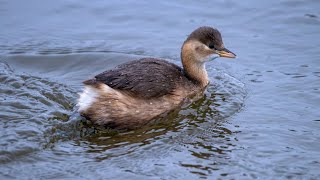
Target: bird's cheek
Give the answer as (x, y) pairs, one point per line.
(212, 57)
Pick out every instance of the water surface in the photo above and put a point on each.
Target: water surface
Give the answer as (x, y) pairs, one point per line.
(259, 117)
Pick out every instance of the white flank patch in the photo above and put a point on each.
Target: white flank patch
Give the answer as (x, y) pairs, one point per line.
(87, 98)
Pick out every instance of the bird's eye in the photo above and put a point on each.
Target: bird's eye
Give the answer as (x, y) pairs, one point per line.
(211, 46)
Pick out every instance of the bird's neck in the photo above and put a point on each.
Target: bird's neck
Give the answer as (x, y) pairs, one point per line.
(193, 65)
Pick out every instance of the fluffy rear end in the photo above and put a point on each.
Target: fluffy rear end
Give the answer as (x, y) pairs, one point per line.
(87, 98)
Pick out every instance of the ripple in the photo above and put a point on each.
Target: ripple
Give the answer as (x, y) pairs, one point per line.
(197, 131)
(39, 116)
(311, 15)
(29, 107)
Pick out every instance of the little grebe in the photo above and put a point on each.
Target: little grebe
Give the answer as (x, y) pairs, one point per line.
(136, 92)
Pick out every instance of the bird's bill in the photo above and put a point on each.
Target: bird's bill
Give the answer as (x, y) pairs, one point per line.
(226, 53)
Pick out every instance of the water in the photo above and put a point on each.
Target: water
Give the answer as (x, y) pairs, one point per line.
(259, 118)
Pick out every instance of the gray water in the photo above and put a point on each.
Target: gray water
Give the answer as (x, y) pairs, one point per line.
(259, 118)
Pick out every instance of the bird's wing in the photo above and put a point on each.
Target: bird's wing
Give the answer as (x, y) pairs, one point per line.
(145, 78)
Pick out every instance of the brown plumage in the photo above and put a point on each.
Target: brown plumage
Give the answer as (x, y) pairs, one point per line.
(134, 93)
(144, 78)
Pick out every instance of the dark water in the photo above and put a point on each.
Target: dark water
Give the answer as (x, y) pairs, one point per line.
(259, 119)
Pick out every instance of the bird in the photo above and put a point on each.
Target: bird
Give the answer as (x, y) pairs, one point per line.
(134, 93)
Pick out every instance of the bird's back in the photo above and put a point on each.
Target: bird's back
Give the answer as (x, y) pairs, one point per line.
(144, 78)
